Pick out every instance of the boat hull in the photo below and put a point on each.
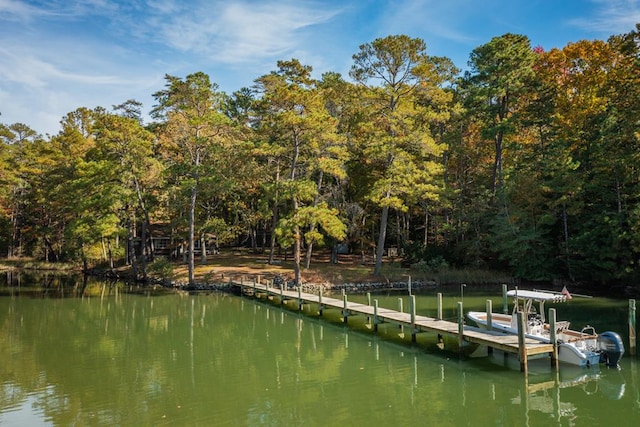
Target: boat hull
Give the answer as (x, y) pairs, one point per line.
(568, 353)
(578, 353)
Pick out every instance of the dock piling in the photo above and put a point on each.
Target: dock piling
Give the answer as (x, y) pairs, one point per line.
(554, 339)
(460, 326)
(282, 293)
(375, 315)
(632, 327)
(521, 342)
(412, 307)
(345, 310)
(489, 308)
(400, 326)
(505, 303)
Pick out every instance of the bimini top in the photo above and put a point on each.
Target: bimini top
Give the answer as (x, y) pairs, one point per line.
(537, 295)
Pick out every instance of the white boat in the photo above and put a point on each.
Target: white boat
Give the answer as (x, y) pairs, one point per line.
(582, 348)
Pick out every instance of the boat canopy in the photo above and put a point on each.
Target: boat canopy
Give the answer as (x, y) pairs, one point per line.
(537, 296)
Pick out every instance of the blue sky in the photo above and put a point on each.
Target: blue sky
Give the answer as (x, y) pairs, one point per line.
(58, 55)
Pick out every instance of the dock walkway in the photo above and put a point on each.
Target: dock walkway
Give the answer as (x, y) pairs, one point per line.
(519, 345)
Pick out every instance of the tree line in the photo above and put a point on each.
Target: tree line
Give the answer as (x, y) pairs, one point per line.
(527, 162)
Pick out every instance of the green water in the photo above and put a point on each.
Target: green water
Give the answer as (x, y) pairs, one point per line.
(223, 360)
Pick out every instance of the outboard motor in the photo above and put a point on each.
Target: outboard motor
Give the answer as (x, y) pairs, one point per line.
(612, 348)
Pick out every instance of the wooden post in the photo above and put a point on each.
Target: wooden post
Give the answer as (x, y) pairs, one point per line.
(282, 293)
(320, 306)
(345, 314)
(632, 327)
(522, 348)
(369, 304)
(460, 327)
(300, 297)
(412, 307)
(255, 291)
(554, 338)
(375, 315)
(258, 279)
(489, 308)
(505, 303)
(266, 289)
(409, 285)
(400, 326)
(439, 309)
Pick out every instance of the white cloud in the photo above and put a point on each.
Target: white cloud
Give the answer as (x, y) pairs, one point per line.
(237, 32)
(18, 10)
(23, 11)
(163, 7)
(21, 67)
(611, 16)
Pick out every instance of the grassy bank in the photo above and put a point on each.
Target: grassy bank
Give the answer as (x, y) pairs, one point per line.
(235, 263)
(349, 269)
(7, 264)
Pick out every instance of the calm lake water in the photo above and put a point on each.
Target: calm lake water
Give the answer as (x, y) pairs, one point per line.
(224, 360)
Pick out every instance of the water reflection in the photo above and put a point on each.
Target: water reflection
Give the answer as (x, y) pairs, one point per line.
(224, 360)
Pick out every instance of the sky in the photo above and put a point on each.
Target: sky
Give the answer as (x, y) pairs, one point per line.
(60, 55)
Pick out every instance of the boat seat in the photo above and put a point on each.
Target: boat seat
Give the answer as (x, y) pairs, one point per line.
(562, 326)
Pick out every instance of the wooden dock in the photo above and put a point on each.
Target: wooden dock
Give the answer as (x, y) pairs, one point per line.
(515, 344)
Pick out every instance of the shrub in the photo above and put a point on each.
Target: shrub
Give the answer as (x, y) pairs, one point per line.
(163, 269)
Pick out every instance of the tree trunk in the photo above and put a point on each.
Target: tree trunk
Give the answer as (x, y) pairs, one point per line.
(274, 223)
(565, 227)
(272, 244)
(111, 268)
(104, 249)
(426, 228)
(254, 238)
(131, 248)
(497, 163)
(296, 256)
(296, 248)
(145, 251)
(381, 240)
(498, 139)
(334, 253)
(307, 262)
(203, 250)
(85, 264)
(192, 223)
(11, 251)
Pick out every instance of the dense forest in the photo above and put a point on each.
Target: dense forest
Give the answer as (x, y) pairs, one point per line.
(528, 162)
